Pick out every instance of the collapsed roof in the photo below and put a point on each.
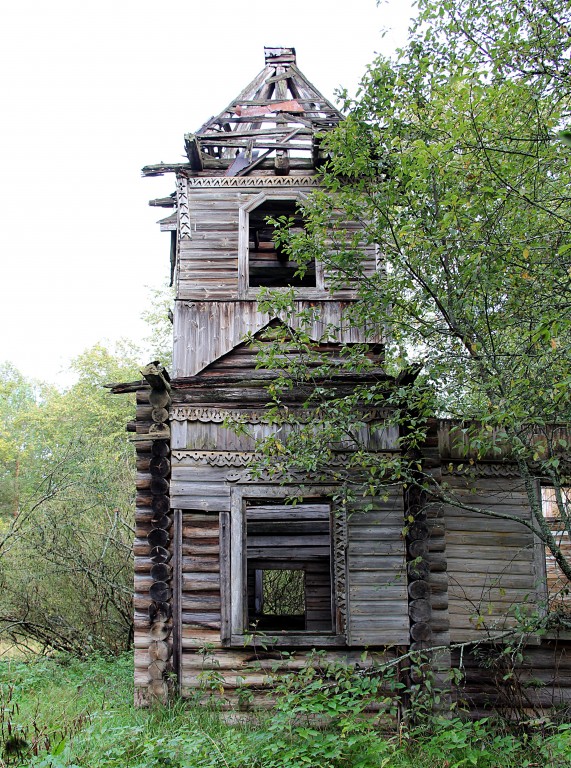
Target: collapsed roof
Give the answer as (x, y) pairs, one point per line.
(276, 121)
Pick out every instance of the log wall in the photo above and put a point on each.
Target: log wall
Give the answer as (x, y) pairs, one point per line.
(528, 688)
(152, 594)
(155, 630)
(470, 571)
(473, 570)
(494, 566)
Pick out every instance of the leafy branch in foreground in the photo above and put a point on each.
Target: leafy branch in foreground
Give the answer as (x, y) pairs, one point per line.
(450, 160)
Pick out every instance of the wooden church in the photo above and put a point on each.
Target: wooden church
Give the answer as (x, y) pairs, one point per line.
(213, 536)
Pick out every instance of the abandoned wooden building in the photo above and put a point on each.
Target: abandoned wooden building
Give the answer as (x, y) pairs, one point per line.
(211, 534)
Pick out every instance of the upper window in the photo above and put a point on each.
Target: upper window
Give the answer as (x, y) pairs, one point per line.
(263, 263)
(268, 264)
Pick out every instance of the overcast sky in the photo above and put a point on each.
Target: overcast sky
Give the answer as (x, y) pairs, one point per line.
(91, 92)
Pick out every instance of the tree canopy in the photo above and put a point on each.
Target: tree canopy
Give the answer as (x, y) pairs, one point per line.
(66, 500)
(451, 158)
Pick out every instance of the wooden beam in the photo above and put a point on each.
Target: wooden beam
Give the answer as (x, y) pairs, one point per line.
(161, 168)
(156, 375)
(262, 157)
(281, 162)
(193, 152)
(163, 202)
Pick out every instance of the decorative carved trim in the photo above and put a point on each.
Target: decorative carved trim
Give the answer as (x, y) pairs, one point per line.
(246, 476)
(480, 470)
(339, 565)
(216, 458)
(184, 228)
(253, 181)
(219, 415)
(245, 458)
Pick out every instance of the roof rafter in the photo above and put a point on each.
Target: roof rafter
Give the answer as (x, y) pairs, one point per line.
(279, 112)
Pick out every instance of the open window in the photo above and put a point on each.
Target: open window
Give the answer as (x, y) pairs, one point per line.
(288, 566)
(282, 581)
(263, 263)
(558, 587)
(268, 263)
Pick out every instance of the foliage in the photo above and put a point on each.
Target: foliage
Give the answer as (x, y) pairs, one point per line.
(283, 592)
(20, 446)
(65, 545)
(159, 321)
(451, 160)
(90, 704)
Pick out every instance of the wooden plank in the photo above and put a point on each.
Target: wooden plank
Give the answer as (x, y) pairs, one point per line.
(211, 503)
(200, 602)
(238, 607)
(490, 568)
(372, 569)
(225, 576)
(200, 563)
(300, 640)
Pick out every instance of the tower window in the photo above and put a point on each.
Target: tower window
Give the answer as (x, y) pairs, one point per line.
(268, 264)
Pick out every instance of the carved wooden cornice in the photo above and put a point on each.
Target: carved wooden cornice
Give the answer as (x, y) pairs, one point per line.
(253, 181)
(219, 415)
(216, 458)
(245, 458)
(478, 469)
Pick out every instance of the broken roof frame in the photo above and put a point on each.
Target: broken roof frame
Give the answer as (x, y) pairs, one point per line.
(279, 115)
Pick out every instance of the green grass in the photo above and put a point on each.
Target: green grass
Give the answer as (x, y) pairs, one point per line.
(57, 712)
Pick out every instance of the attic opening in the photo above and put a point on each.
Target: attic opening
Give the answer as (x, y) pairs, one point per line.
(269, 265)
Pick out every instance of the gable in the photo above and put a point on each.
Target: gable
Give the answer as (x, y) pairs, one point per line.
(205, 331)
(245, 356)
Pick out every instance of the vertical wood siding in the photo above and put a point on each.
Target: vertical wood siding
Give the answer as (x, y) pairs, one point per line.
(206, 330)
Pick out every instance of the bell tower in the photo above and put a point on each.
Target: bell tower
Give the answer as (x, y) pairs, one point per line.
(234, 547)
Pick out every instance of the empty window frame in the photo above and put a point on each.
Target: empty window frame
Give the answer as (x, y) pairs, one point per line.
(281, 578)
(263, 263)
(268, 263)
(558, 587)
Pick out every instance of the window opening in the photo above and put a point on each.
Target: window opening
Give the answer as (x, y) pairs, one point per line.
(288, 565)
(269, 266)
(278, 600)
(558, 587)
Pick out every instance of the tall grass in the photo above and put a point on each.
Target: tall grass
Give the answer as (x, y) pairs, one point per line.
(57, 712)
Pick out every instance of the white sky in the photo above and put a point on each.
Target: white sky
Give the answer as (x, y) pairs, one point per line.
(93, 90)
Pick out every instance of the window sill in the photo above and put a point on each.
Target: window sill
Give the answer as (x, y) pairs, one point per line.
(301, 294)
(290, 639)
